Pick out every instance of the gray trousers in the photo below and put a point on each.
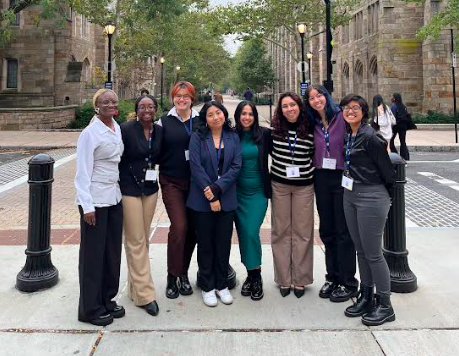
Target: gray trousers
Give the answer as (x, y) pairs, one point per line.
(366, 208)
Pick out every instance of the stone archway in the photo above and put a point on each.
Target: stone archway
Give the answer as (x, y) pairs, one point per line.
(345, 81)
(372, 78)
(359, 87)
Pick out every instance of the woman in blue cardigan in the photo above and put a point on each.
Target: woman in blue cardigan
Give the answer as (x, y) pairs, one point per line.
(215, 162)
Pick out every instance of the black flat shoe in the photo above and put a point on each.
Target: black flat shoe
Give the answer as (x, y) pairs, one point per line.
(103, 320)
(185, 285)
(284, 291)
(172, 289)
(118, 312)
(299, 292)
(256, 292)
(247, 287)
(327, 289)
(343, 294)
(152, 308)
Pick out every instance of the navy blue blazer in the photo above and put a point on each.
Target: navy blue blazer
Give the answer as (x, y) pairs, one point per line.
(204, 171)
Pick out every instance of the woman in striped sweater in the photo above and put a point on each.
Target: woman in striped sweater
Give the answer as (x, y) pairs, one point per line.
(292, 236)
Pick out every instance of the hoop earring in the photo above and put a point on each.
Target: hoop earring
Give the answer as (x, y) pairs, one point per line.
(96, 110)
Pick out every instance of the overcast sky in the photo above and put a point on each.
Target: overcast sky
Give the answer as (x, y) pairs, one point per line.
(230, 44)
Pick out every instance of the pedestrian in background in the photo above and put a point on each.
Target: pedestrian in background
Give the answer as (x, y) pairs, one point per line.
(174, 176)
(207, 97)
(382, 118)
(366, 205)
(139, 187)
(292, 235)
(98, 195)
(329, 132)
(253, 192)
(401, 116)
(215, 160)
(248, 95)
(218, 97)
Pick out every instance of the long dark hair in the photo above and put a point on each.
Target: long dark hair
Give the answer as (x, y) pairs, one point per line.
(279, 122)
(257, 133)
(136, 104)
(398, 102)
(331, 108)
(362, 102)
(377, 100)
(202, 128)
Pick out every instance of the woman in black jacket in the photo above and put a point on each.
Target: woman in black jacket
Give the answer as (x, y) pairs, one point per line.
(368, 173)
(139, 187)
(401, 116)
(253, 192)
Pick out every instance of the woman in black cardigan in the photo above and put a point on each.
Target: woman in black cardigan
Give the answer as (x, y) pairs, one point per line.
(253, 192)
(139, 187)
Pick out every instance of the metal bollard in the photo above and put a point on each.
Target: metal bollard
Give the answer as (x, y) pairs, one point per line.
(403, 280)
(39, 272)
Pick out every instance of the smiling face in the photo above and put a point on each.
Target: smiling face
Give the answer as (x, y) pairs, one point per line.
(290, 109)
(146, 110)
(352, 113)
(107, 104)
(317, 100)
(182, 99)
(247, 118)
(215, 118)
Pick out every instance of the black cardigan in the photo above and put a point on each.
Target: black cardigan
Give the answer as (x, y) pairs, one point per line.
(135, 159)
(263, 153)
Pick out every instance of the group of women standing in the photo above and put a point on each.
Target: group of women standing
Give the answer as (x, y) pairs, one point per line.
(212, 175)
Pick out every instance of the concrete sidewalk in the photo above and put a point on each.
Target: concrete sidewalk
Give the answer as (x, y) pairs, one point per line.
(45, 323)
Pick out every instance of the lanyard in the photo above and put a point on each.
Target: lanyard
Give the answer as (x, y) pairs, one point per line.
(190, 129)
(150, 142)
(327, 139)
(350, 144)
(219, 154)
(292, 147)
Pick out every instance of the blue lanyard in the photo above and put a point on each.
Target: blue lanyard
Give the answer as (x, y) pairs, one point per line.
(290, 147)
(190, 129)
(350, 144)
(219, 154)
(150, 156)
(327, 139)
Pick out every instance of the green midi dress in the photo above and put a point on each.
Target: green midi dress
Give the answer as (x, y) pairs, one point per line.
(252, 204)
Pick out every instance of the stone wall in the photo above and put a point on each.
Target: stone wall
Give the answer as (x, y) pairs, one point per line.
(36, 118)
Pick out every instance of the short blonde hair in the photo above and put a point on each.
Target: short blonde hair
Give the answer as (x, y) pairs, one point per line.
(99, 93)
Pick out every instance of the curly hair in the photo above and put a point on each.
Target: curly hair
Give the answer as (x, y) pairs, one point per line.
(279, 122)
(202, 128)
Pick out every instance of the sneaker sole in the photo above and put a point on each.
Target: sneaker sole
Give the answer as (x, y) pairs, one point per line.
(385, 320)
(210, 305)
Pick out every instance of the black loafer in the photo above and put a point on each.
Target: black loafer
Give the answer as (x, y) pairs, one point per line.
(118, 312)
(152, 308)
(172, 289)
(284, 291)
(256, 292)
(343, 294)
(103, 320)
(246, 289)
(299, 292)
(185, 285)
(327, 289)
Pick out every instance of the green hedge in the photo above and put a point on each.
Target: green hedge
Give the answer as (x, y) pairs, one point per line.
(433, 117)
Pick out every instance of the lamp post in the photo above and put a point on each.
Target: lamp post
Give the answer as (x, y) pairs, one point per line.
(162, 60)
(328, 84)
(177, 73)
(453, 67)
(109, 30)
(309, 57)
(301, 30)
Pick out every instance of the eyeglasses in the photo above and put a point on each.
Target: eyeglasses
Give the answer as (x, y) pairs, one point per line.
(149, 107)
(184, 97)
(354, 108)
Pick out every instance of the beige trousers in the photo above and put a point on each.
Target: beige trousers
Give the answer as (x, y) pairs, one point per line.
(138, 214)
(292, 234)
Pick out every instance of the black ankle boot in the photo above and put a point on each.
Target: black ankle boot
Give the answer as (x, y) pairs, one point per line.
(247, 286)
(185, 285)
(363, 304)
(256, 292)
(381, 313)
(172, 289)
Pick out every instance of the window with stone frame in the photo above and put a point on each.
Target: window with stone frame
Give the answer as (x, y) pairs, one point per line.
(12, 67)
(435, 6)
(84, 26)
(17, 20)
(358, 26)
(345, 33)
(373, 18)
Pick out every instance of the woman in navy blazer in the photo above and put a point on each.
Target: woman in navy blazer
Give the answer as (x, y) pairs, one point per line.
(215, 162)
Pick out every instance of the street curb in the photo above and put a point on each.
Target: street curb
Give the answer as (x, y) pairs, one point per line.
(11, 148)
(433, 148)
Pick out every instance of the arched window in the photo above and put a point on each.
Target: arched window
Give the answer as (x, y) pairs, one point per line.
(358, 79)
(345, 79)
(86, 72)
(373, 77)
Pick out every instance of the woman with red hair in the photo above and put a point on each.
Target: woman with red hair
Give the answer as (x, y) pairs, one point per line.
(174, 176)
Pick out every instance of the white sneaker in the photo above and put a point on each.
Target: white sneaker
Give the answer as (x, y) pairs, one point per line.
(225, 296)
(209, 298)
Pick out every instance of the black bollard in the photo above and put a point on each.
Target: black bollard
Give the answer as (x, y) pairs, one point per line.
(39, 272)
(403, 280)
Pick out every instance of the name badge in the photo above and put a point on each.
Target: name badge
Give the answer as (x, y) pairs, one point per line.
(329, 163)
(187, 155)
(151, 175)
(293, 172)
(347, 182)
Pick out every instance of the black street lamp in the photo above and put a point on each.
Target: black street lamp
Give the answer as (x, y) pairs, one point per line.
(301, 30)
(309, 57)
(177, 73)
(162, 60)
(453, 67)
(328, 84)
(109, 30)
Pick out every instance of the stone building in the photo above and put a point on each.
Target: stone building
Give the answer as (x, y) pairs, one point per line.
(50, 65)
(378, 52)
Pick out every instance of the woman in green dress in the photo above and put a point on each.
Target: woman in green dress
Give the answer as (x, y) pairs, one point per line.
(253, 192)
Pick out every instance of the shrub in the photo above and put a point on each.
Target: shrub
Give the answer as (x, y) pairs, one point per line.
(433, 117)
(261, 101)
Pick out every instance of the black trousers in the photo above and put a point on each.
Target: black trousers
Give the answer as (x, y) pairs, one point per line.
(400, 129)
(340, 258)
(214, 231)
(99, 262)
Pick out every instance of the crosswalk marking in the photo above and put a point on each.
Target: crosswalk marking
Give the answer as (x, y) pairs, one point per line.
(439, 179)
